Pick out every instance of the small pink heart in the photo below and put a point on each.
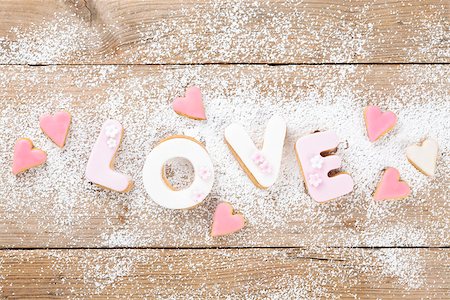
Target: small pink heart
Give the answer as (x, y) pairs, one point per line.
(26, 156)
(378, 123)
(225, 222)
(56, 127)
(190, 106)
(390, 186)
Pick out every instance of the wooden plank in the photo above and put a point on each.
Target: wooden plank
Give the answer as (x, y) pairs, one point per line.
(54, 206)
(221, 273)
(173, 32)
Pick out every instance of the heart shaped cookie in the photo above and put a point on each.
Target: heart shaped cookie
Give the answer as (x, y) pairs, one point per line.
(190, 106)
(26, 156)
(391, 187)
(225, 222)
(378, 123)
(424, 156)
(56, 127)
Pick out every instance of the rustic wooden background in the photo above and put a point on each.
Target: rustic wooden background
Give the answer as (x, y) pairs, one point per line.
(398, 34)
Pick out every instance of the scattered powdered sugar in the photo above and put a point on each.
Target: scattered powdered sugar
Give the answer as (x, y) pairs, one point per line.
(237, 31)
(407, 269)
(54, 206)
(66, 210)
(63, 36)
(313, 273)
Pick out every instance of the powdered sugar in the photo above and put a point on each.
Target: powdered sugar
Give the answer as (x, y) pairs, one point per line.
(140, 100)
(54, 206)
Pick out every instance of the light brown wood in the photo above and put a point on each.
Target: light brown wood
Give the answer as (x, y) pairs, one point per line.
(236, 273)
(67, 211)
(329, 255)
(162, 32)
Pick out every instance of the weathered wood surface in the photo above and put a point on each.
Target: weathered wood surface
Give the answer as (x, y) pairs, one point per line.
(54, 206)
(234, 273)
(162, 32)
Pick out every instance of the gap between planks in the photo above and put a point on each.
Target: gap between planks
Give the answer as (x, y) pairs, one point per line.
(223, 248)
(233, 64)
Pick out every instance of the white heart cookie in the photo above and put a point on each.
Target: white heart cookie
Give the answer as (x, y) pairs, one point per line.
(424, 156)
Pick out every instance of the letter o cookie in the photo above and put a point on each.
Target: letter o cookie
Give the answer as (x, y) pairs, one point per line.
(156, 184)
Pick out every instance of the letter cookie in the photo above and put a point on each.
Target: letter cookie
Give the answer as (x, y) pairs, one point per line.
(391, 187)
(315, 167)
(378, 123)
(156, 184)
(190, 106)
(226, 222)
(26, 156)
(99, 167)
(262, 166)
(56, 127)
(423, 157)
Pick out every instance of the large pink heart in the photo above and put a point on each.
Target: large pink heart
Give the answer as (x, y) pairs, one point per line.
(378, 123)
(56, 127)
(26, 156)
(225, 222)
(190, 106)
(390, 186)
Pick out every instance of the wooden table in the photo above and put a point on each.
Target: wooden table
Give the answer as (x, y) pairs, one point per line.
(102, 59)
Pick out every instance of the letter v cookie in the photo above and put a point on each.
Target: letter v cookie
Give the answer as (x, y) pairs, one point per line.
(99, 167)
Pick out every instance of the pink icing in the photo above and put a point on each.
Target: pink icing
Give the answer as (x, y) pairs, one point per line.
(56, 127)
(26, 157)
(390, 186)
(225, 222)
(98, 169)
(320, 186)
(191, 105)
(378, 122)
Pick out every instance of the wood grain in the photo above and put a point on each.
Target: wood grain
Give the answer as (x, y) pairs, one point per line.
(76, 214)
(174, 32)
(235, 273)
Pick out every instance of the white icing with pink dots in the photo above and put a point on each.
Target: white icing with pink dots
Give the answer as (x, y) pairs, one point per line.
(263, 164)
(178, 147)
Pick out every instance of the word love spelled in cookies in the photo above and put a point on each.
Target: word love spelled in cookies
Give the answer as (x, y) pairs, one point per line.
(316, 155)
(262, 165)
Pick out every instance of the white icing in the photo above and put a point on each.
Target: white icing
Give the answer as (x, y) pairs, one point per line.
(317, 161)
(156, 186)
(315, 179)
(263, 164)
(424, 156)
(260, 160)
(205, 173)
(111, 131)
(111, 143)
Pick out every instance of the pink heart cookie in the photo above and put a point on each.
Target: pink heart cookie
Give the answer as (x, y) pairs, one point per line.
(225, 222)
(56, 127)
(391, 187)
(26, 156)
(190, 106)
(378, 123)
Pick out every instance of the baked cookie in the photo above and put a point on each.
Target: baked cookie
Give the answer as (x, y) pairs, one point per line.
(56, 127)
(99, 169)
(378, 123)
(391, 187)
(261, 165)
(191, 105)
(157, 185)
(26, 156)
(225, 221)
(314, 155)
(424, 156)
